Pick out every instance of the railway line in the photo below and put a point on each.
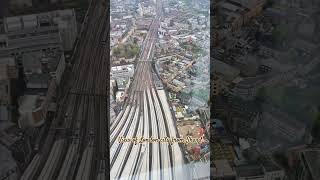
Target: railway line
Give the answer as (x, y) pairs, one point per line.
(146, 113)
(75, 146)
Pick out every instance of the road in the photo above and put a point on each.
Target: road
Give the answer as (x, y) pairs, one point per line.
(146, 113)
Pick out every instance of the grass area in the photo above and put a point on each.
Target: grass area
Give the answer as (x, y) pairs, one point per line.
(143, 35)
(127, 51)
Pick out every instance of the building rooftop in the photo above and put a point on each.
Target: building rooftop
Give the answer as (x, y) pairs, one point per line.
(38, 81)
(31, 62)
(31, 21)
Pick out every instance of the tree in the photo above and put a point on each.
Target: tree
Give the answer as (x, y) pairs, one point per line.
(135, 40)
(126, 51)
(116, 51)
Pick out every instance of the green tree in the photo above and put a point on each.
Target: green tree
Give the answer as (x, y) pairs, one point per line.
(116, 51)
(126, 51)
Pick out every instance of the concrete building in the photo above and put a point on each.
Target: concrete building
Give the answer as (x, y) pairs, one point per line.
(8, 73)
(125, 71)
(123, 83)
(244, 117)
(40, 67)
(5, 94)
(140, 9)
(115, 37)
(236, 13)
(143, 23)
(33, 109)
(50, 30)
(11, 65)
(67, 24)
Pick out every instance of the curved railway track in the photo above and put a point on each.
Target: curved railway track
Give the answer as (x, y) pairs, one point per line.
(75, 147)
(145, 113)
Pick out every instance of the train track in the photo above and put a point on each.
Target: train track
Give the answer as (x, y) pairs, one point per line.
(146, 113)
(80, 151)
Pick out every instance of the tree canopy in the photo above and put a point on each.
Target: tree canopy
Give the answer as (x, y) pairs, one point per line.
(126, 51)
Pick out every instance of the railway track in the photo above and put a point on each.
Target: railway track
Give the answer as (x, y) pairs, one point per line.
(79, 152)
(145, 113)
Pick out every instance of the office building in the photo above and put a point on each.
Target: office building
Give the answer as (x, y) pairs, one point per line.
(36, 32)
